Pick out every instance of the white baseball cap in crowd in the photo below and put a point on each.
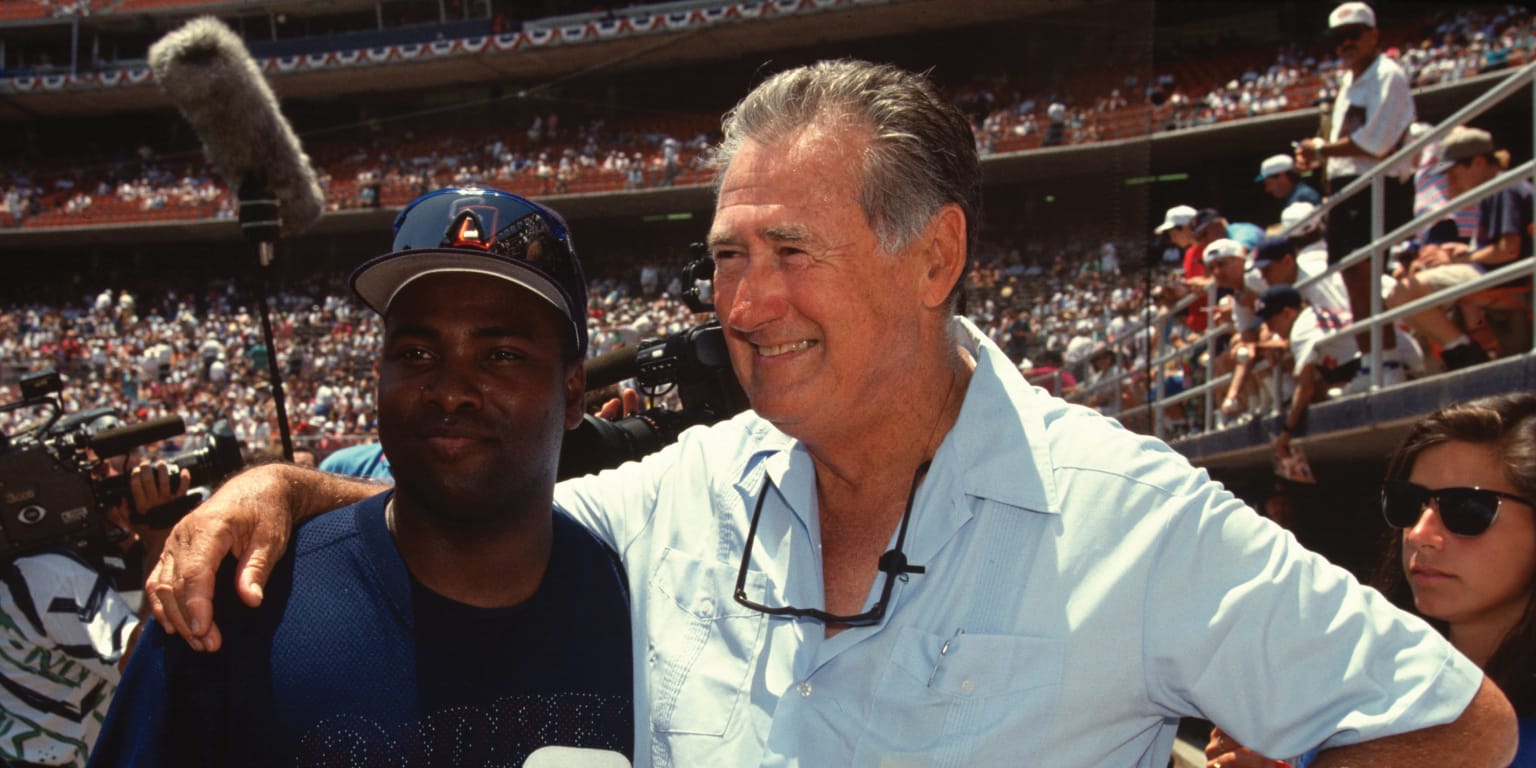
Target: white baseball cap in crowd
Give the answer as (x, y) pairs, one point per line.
(1224, 248)
(1294, 214)
(1275, 164)
(1352, 13)
(1177, 216)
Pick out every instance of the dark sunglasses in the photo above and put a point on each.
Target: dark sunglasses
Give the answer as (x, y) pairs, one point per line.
(1464, 511)
(498, 224)
(1352, 32)
(481, 219)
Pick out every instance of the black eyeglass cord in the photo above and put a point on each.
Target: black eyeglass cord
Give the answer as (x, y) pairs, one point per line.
(894, 561)
(893, 564)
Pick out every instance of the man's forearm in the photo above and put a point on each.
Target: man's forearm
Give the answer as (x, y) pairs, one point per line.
(1345, 147)
(1239, 376)
(1300, 400)
(311, 492)
(1484, 735)
(1497, 252)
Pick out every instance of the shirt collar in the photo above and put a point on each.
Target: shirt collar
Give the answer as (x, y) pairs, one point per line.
(997, 446)
(999, 441)
(1365, 74)
(779, 458)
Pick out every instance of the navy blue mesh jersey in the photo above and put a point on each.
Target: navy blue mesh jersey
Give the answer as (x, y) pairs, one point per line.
(350, 662)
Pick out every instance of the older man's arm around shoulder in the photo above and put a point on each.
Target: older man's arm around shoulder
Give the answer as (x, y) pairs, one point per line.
(1484, 735)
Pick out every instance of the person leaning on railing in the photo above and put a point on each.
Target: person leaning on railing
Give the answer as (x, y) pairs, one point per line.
(1469, 158)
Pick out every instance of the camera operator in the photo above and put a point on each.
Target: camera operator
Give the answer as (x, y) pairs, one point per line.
(70, 621)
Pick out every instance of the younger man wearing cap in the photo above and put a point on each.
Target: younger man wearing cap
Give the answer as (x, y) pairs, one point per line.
(457, 619)
(1226, 263)
(1277, 261)
(1370, 117)
(1175, 227)
(1468, 159)
(1281, 181)
(1199, 230)
(1305, 235)
(1317, 361)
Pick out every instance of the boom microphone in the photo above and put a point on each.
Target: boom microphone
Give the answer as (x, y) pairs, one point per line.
(120, 440)
(209, 75)
(612, 367)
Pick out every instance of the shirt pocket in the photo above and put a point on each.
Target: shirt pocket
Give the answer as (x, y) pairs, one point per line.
(961, 706)
(704, 645)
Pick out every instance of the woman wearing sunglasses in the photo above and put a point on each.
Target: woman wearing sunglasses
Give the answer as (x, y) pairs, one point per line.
(1460, 492)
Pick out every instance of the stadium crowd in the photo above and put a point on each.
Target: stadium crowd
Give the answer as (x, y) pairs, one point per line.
(541, 159)
(152, 351)
(1068, 314)
(1081, 318)
(199, 354)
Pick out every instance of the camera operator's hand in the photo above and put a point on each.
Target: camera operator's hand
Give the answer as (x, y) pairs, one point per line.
(149, 486)
(250, 517)
(626, 404)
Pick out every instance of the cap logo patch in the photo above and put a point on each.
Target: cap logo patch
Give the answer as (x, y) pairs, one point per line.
(468, 231)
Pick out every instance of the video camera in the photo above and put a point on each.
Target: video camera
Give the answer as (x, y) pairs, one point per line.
(696, 362)
(54, 490)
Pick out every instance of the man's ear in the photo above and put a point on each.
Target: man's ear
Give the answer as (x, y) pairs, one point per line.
(575, 388)
(943, 255)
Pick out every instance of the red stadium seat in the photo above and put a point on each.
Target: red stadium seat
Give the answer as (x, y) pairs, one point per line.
(20, 10)
(1499, 319)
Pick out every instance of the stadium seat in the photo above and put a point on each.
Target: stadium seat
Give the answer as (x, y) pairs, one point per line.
(1499, 319)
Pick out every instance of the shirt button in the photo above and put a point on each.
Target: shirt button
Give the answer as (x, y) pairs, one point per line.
(968, 685)
(706, 607)
(805, 690)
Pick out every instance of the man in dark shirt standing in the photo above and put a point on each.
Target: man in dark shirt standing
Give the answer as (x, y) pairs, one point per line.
(458, 619)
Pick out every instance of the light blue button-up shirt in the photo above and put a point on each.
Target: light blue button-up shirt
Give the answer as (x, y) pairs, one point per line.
(1084, 588)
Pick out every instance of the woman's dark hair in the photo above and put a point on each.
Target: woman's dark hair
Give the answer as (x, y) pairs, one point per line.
(1508, 424)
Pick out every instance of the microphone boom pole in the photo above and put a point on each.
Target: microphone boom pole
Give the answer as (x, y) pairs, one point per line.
(209, 75)
(260, 223)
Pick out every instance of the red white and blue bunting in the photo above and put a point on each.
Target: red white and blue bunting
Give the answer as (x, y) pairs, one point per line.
(573, 34)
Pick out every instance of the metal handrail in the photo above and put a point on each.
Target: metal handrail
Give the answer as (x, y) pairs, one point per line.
(1490, 279)
(1493, 186)
(1379, 240)
(1410, 150)
(1378, 244)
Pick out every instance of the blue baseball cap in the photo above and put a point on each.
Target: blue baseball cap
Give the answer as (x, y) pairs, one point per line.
(480, 231)
(1272, 249)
